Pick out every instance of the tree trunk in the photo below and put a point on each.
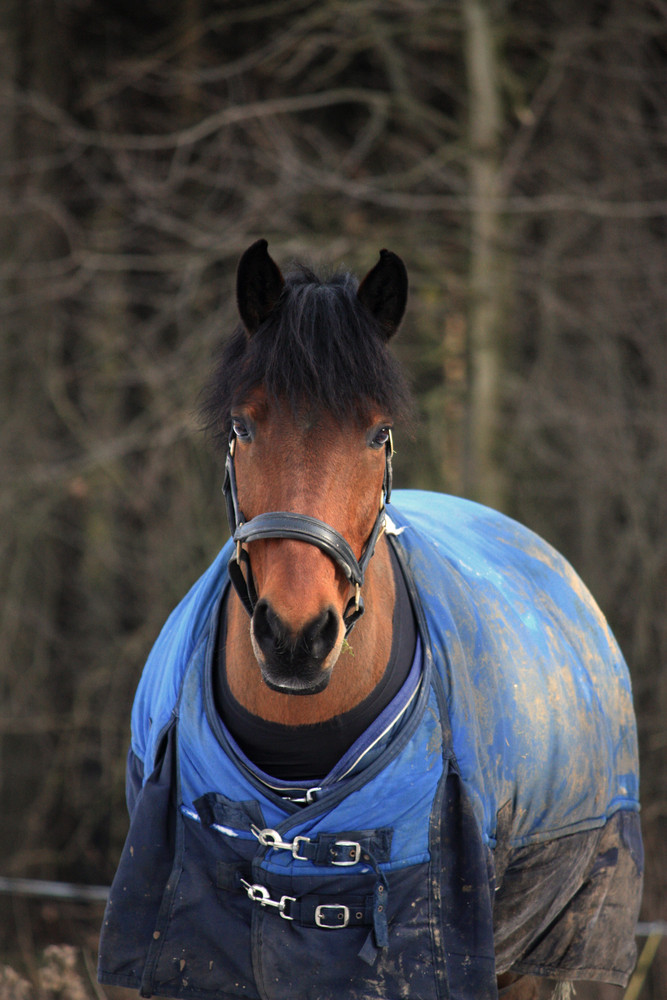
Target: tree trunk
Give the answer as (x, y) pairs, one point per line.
(483, 478)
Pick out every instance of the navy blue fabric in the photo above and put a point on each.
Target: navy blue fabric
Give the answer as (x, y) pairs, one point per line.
(178, 922)
(523, 708)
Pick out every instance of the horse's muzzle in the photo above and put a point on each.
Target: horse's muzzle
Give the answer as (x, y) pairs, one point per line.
(295, 663)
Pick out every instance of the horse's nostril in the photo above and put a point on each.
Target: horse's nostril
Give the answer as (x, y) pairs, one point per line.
(269, 631)
(320, 635)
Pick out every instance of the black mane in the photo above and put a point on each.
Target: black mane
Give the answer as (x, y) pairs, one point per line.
(320, 348)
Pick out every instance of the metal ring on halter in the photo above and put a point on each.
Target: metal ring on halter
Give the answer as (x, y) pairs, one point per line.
(304, 528)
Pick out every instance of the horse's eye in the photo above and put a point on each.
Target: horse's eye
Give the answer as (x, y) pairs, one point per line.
(381, 437)
(241, 429)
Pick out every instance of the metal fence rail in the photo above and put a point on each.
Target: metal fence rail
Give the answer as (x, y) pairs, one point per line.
(54, 890)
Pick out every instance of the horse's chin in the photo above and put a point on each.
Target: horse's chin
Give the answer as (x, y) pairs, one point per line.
(296, 686)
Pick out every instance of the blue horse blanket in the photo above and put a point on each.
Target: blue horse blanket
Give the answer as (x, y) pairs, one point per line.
(495, 827)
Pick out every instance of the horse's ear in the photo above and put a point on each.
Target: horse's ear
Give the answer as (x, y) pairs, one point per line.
(258, 285)
(384, 292)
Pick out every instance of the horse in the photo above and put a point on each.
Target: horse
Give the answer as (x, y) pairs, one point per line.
(385, 745)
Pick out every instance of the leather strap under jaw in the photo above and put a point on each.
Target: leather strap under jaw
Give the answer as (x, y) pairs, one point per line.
(303, 528)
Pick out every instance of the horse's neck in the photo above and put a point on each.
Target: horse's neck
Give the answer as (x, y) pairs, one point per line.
(358, 670)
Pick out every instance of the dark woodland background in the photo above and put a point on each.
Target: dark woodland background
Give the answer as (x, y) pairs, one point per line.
(513, 153)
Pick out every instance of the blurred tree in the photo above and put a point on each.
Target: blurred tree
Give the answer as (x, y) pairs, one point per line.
(587, 452)
(483, 473)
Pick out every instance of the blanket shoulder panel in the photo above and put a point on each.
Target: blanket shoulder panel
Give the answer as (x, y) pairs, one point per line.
(159, 687)
(538, 692)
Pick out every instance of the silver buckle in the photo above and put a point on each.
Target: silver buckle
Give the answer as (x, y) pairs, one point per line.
(344, 912)
(354, 855)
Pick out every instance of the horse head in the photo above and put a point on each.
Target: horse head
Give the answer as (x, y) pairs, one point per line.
(310, 393)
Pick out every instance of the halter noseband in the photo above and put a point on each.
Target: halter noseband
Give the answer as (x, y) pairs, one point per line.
(303, 528)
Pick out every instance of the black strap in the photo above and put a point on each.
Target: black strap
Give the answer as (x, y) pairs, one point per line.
(332, 912)
(342, 850)
(303, 528)
(244, 587)
(316, 910)
(234, 515)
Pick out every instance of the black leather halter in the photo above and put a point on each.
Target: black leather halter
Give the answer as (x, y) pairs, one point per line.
(303, 528)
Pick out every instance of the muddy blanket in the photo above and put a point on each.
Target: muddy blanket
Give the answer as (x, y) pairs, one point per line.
(489, 822)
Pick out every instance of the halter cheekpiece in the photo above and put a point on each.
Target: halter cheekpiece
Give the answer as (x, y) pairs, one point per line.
(303, 528)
